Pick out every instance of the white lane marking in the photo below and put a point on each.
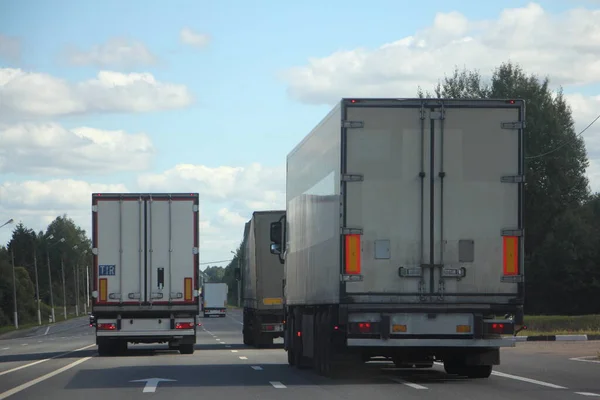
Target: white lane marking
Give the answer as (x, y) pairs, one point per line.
(239, 322)
(520, 378)
(222, 342)
(47, 330)
(228, 346)
(43, 360)
(409, 384)
(590, 359)
(24, 344)
(6, 348)
(276, 385)
(39, 341)
(234, 351)
(243, 358)
(529, 380)
(588, 394)
(217, 339)
(257, 368)
(41, 378)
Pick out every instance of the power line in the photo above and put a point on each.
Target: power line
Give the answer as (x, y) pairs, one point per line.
(565, 142)
(214, 262)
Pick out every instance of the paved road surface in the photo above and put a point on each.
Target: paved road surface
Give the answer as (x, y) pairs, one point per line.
(64, 366)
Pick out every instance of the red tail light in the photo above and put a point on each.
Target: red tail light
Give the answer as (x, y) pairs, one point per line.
(269, 327)
(184, 325)
(499, 328)
(107, 327)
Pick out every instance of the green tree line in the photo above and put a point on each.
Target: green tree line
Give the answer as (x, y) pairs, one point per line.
(63, 250)
(562, 233)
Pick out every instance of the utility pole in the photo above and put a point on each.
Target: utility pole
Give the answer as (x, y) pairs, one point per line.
(75, 285)
(16, 316)
(37, 285)
(50, 283)
(62, 267)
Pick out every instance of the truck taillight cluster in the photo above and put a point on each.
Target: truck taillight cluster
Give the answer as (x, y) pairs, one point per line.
(107, 327)
(499, 328)
(184, 325)
(362, 328)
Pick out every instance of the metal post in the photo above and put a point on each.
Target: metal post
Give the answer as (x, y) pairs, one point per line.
(75, 288)
(37, 286)
(78, 292)
(16, 316)
(62, 267)
(50, 284)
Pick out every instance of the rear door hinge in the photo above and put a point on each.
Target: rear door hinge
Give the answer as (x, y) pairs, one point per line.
(353, 124)
(513, 125)
(353, 178)
(437, 115)
(352, 231)
(513, 179)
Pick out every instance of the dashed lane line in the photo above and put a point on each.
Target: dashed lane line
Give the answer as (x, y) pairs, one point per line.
(43, 360)
(42, 378)
(409, 384)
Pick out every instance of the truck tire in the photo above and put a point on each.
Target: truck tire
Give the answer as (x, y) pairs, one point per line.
(186, 348)
(104, 349)
(289, 340)
(478, 371)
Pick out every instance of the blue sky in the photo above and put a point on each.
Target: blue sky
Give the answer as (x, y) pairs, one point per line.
(242, 112)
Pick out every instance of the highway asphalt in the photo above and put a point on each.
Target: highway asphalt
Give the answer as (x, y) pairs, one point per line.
(62, 363)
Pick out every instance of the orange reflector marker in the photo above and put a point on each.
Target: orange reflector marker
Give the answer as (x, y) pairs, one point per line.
(511, 255)
(398, 328)
(352, 254)
(103, 283)
(187, 292)
(463, 328)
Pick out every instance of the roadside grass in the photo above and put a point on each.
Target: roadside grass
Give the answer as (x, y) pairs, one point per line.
(561, 325)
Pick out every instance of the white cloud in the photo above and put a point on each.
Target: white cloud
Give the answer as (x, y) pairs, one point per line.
(194, 39)
(30, 94)
(229, 195)
(49, 148)
(251, 187)
(564, 46)
(10, 48)
(116, 52)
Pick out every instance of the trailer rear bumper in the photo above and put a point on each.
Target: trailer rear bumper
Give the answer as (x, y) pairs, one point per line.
(173, 334)
(438, 343)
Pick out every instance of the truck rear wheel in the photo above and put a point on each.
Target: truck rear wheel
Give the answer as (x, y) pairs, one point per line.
(186, 348)
(478, 371)
(104, 349)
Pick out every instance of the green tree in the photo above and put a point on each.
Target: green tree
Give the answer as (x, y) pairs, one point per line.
(556, 185)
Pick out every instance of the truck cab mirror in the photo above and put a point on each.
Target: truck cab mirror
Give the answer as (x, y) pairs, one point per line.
(275, 233)
(237, 273)
(275, 248)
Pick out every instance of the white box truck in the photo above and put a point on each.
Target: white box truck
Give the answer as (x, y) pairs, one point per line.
(403, 235)
(215, 299)
(262, 282)
(145, 266)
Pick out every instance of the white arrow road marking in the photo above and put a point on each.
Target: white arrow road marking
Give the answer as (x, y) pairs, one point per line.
(152, 383)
